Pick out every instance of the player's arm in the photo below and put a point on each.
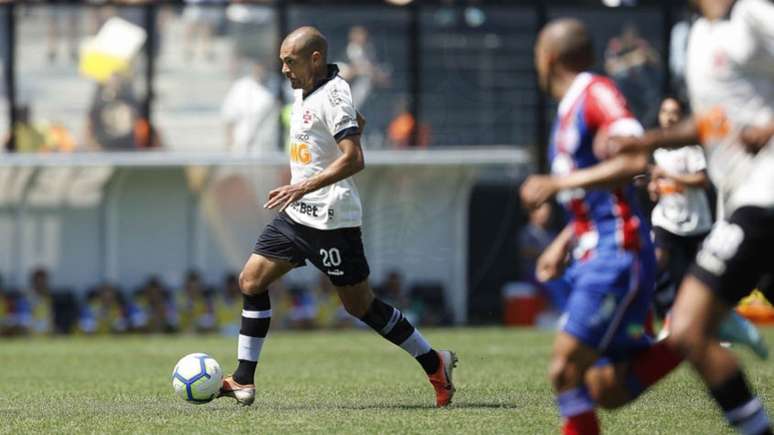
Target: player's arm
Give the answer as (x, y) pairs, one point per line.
(612, 172)
(755, 138)
(694, 179)
(697, 179)
(349, 163)
(679, 135)
(607, 113)
(551, 262)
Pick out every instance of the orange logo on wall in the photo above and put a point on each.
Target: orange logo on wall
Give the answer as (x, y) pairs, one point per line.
(299, 153)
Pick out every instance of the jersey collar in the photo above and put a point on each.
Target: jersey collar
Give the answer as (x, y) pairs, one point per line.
(333, 71)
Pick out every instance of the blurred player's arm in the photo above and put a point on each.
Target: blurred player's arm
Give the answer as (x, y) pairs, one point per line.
(694, 179)
(755, 138)
(682, 134)
(612, 172)
(349, 163)
(551, 262)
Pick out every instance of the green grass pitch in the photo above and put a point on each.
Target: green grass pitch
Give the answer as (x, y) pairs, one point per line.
(324, 382)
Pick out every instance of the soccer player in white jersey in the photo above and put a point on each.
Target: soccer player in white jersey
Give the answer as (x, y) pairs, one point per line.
(730, 76)
(682, 216)
(319, 220)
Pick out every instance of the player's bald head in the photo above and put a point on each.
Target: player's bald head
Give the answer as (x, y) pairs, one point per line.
(306, 40)
(567, 41)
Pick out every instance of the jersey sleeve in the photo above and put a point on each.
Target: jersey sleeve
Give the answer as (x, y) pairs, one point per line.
(339, 112)
(758, 16)
(695, 160)
(606, 110)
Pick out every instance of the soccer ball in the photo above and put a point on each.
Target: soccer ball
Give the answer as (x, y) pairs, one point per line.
(197, 378)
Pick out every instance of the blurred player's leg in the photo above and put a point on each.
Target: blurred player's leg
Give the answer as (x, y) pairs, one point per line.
(391, 324)
(259, 272)
(695, 314)
(569, 363)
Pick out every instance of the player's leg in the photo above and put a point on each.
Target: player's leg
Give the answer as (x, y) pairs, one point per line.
(614, 385)
(664, 294)
(569, 363)
(728, 265)
(274, 255)
(257, 275)
(340, 255)
(695, 314)
(390, 323)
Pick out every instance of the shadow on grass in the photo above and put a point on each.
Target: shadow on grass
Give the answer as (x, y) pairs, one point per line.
(395, 406)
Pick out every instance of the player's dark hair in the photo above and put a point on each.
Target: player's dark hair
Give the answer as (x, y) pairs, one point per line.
(680, 103)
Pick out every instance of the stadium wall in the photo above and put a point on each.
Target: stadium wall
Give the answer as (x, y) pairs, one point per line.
(123, 217)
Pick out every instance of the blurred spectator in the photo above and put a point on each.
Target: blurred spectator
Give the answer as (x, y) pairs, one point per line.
(361, 68)
(250, 111)
(197, 307)
(635, 66)
(29, 310)
(302, 308)
(402, 131)
(428, 304)
(33, 137)
(393, 291)
(115, 121)
(64, 16)
(107, 310)
(158, 307)
(28, 138)
(533, 238)
(330, 312)
(202, 18)
(228, 311)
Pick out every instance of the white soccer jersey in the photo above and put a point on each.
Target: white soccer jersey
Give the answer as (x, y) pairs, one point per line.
(731, 66)
(317, 122)
(683, 211)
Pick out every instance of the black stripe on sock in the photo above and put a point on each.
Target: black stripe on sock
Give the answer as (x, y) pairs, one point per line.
(259, 302)
(732, 393)
(400, 332)
(255, 327)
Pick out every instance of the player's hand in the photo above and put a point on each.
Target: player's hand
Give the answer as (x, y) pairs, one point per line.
(550, 264)
(281, 197)
(624, 144)
(538, 189)
(755, 138)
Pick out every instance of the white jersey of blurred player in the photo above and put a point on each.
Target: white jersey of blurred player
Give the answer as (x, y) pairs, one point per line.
(730, 67)
(316, 123)
(683, 211)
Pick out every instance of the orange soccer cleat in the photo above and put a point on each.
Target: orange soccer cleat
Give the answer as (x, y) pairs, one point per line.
(442, 378)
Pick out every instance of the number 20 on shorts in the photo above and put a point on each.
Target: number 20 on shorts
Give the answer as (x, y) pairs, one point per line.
(331, 257)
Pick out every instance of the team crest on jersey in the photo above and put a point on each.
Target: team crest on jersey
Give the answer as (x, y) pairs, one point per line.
(334, 97)
(307, 117)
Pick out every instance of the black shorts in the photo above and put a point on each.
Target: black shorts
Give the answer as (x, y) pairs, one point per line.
(737, 254)
(337, 253)
(681, 251)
